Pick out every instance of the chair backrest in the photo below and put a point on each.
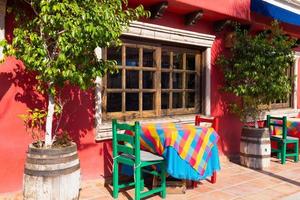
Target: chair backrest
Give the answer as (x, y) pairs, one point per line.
(213, 121)
(281, 122)
(126, 143)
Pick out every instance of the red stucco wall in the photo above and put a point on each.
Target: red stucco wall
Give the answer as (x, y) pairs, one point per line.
(13, 139)
(238, 9)
(17, 95)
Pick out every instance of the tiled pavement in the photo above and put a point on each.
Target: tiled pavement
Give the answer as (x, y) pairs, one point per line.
(233, 182)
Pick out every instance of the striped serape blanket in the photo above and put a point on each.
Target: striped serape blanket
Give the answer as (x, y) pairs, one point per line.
(193, 144)
(293, 127)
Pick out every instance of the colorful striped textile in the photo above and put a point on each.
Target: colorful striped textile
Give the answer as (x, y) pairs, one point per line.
(193, 144)
(276, 130)
(293, 127)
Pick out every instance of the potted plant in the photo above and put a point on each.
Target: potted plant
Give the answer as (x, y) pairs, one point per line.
(56, 40)
(256, 72)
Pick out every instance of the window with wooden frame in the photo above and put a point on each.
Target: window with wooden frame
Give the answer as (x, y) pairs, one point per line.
(288, 102)
(180, 81)
(152, 81)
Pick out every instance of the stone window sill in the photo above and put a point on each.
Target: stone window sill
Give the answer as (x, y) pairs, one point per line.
(104, 131)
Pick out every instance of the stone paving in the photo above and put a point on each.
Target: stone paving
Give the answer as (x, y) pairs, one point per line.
(233, 182)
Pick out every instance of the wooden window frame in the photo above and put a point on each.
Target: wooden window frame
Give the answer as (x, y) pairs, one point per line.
(157, 90)
(184, 90)
(289, 102)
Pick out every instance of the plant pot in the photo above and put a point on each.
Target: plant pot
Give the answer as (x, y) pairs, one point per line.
(255, 148)
(52, 173)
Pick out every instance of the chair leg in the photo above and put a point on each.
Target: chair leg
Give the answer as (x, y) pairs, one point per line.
(163, 181)
(195, 184)
(213, 179)
(283, 153)
(155, 182)
(142, 183)
(296, 158)
(137, 180)
(279, 153)
(115, 179)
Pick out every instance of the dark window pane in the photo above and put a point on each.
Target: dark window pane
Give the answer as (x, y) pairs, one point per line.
(177, 100)
(148, 60)
(177, 60)
(132, 101)
(165, 80)
(164, 100)
(177, 80)
(148, 78)
(165, 59)
(190, 62)
(190, 81)
(190, 99)
(147, 101)
(114, 80)
(132, 56)
(115, 54)
(114, 102)
(132, 79)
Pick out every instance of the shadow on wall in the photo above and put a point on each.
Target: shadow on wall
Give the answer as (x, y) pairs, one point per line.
(229, 125)
(18, 94)
(106, 154)
(77, 118)
(5, 82)
(14, 74)
(78, 114)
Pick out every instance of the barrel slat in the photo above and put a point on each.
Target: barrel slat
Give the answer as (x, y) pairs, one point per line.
(51, 173)
(51, 167)
(52, 151)
(255, 149)
(47, 173)
(45, 161)
(37, 156)
(254, 155)
(255, 141)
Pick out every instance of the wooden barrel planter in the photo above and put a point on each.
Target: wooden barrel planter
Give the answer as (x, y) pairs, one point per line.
(255, 148)
(52, 173)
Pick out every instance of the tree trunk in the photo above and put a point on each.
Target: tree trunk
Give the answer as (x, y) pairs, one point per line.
(255, 123)
(49, 120)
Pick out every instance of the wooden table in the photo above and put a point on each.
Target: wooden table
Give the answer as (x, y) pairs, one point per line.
(191, 152)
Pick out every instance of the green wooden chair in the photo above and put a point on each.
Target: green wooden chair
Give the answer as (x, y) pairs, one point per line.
(126, 150)
(283, 139)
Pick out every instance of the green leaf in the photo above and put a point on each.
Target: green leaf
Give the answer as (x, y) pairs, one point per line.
(256, 69)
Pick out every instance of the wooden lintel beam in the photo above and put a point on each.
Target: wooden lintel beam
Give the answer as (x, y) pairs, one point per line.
(158, 10)
(193, 18)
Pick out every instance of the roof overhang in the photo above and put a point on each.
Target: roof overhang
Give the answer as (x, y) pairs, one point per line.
(287, 11)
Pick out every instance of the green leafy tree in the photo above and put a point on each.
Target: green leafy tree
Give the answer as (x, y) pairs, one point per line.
(256, 70)
(58, 38)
